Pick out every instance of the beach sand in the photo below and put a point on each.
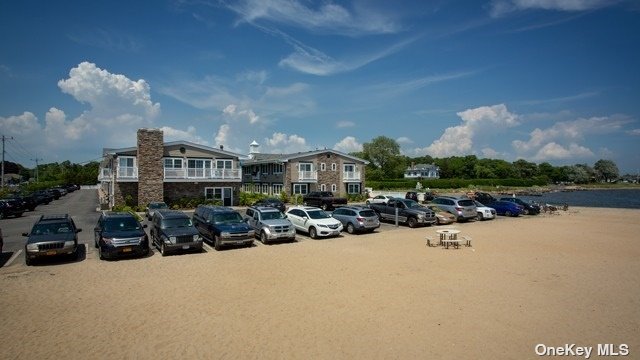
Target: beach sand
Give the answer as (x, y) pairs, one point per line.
(548, 279)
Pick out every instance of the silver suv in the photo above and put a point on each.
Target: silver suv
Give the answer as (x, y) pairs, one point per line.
(462, 208)
(270, 224)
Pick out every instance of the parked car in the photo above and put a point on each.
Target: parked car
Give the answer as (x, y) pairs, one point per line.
(120, 234)
(357, 218)
(484, 212)
(271, 202)
(10, 207)
(323, 199)
(408, 211)
(152, 207)
(314, 221)
(529, 207)
(1, 241)
(55, 193)
(51, 235)
(173, 231)
(462, 208)
(28, 202)
(270, 224)
(444, 217)
(222, 226)
(507, 208)
(43, 197)
(412, 195)
(379, 199)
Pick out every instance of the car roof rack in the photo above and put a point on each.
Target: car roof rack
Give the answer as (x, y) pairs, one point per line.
(54, 217)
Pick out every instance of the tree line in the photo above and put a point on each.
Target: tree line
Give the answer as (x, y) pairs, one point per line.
(386, 162)
(56, 173)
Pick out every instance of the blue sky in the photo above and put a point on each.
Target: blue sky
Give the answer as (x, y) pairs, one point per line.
(540, 80)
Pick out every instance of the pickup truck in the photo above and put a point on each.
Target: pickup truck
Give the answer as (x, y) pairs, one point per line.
(323, 199)
(409, 212)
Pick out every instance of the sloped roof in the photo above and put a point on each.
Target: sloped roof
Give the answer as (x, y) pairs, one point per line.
(261, 158)
(115, 151)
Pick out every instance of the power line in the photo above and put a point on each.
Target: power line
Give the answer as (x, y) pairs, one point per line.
(36, 160)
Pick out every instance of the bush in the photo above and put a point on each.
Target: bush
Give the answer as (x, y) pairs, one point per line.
(402, 184)
(129, 209)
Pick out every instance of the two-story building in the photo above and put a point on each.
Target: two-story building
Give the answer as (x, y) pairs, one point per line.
(158, 171)
(422, 171)
(303, 172)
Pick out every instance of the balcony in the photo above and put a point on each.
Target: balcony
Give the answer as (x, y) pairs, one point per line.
(351, 176)
(105, 174)
(202, 174)
(307, 176)
(127, 173)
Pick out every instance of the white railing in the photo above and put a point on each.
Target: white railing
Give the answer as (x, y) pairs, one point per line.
(127, 172)
(307, 175)
(351, 175)
(105, 174)
(199, 173)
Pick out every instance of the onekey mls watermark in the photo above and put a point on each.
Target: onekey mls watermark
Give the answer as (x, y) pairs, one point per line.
(582, 351)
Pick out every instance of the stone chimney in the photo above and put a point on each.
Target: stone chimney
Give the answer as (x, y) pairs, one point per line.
(253, 149)
(150, 167)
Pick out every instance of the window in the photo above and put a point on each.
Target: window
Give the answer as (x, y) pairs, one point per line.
(323, 166)
(198, 168)
(323, 187)
(334, 188)
(126, 166)
(224, 164)
(349, 168)
(305, 167)
(334, 167)
(277, 189)
(278, 168)
(264, 169)
(265, 189)
(301, 189)
(353, 188)
(172, 163)
(246, 187)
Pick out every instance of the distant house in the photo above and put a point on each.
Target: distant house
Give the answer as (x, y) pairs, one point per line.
(422, 171)
(158, 171)
(303, 172)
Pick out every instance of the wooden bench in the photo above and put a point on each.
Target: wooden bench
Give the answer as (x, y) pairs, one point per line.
(467, 241)
(431, 242)
(447, 242)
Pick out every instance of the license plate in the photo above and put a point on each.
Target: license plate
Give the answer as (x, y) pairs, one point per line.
(127, 249)
(185, 247)
(51, 252)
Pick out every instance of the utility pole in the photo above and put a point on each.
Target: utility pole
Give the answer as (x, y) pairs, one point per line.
(3, 140)
(36, 160)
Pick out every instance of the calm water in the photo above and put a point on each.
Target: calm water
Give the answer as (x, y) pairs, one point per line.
(628, 199)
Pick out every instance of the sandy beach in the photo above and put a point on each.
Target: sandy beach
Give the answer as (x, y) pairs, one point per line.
(572, 278)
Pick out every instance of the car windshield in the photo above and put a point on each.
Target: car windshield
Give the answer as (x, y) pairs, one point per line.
(465, 202)
(272, 215)
(158, 206)
(412, 204)
(122, 224)
(479, 204)
(176, 223)
(318, 214)
(54, 228)
(367, 213)
(227, 217)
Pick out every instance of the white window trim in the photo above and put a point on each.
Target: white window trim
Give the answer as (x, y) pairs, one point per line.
(323, 166)
(334, 188)
(323, 187)
(334, 166)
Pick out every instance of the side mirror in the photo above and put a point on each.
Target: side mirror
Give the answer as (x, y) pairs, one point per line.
(78, 230)
(25, 234)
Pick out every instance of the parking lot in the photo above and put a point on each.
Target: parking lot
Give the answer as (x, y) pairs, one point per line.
(82, 205)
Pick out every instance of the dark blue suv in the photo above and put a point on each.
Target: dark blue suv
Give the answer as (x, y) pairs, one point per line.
(222, 226)
(120, 234)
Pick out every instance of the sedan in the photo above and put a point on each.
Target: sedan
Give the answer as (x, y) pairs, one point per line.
(529, 208)
(507, 208)
(380, 199)
(443, 217)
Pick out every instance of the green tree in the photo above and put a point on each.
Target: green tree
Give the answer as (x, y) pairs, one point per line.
(384, 154)
(606, 170)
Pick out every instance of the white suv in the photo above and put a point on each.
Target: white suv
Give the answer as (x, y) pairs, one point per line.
(314, 221)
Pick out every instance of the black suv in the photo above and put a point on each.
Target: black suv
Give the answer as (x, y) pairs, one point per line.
(222, 226)
(120, 234)
(10, 207)
(173, 231)
(52, 235)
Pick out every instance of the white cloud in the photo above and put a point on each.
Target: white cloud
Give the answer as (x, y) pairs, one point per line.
(326, 17)
(191, 134)
(348, 145)
(458, 140)
(502, 7)
(25, 124)
(283, 143)
(258, 77)
(634, 132)
(345, 124)
(570, 130)
(555, 151)
(404, 140)
(222, 136)
(491, 153)
(233, 112)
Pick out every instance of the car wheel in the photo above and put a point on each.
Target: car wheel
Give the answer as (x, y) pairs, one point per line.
(217, 243)
(313, 233)
(507, 213)
(263, 237)
(163, 250)
(1, 215)
(100, 255)
(324, 207)
(525, 211)
(305, 203)
(412, 222)
(367, 202)
(480, 216)
(350, 228)
(28, 261)
(19, 215)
